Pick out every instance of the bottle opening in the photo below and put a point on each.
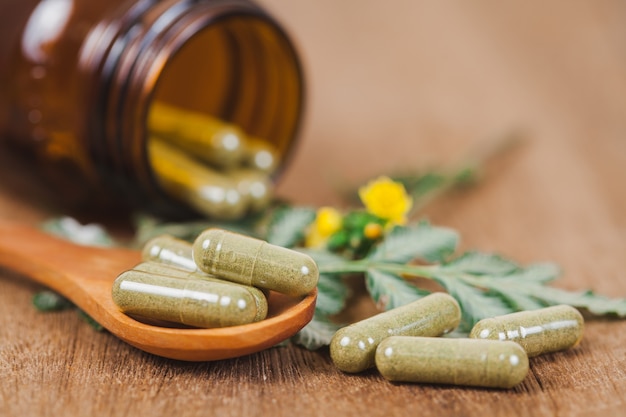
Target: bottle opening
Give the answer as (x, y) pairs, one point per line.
(223, 116)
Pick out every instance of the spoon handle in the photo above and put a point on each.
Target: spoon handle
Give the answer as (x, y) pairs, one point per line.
(59, 264)
(85, 275)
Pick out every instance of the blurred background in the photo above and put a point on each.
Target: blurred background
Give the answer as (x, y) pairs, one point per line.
(405, 85)
(411, 83)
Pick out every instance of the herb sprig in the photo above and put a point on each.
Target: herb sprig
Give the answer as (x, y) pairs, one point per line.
(484, 284)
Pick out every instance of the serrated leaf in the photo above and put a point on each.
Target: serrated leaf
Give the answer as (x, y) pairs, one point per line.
(390, 291)
(481, 264)
(332, 291)
(518, 300)
(288, 225)
(422, 241)
(475, 303)
(317, 333)
(540, 273)
(522, 289)
(594, 303)
(331, 294)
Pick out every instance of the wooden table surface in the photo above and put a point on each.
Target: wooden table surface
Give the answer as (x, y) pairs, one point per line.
(395, 85)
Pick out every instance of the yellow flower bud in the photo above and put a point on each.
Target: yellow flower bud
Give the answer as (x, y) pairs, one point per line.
(373, 231)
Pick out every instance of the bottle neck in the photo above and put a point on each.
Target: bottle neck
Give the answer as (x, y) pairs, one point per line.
(136, 55)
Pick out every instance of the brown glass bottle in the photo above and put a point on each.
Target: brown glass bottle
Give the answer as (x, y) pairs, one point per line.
(78, 79)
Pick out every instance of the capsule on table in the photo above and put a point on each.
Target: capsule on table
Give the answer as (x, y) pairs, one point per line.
(353, 348)
(260, 297)
(193, 302)
(254, 262)
(169, 250)
(208, 191)
(539, 331)
(433, 360)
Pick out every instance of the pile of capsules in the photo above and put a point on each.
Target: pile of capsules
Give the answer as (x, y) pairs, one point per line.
(222, 279)
(403, 345)
(210, 165)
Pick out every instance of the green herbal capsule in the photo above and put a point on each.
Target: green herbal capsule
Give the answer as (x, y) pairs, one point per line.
(352, 348)
(206, 190)
(254, 262)
(260, 298)
(260, 155)
(169, 250)
(539, 331)
(482, 363)
(217, 142)
(194, 302)
(254, 186)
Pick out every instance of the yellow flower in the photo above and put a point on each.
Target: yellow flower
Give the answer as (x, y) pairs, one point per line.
(386, 199)
(327, 221)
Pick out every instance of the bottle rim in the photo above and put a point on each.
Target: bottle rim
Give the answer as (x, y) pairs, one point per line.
(130, 68)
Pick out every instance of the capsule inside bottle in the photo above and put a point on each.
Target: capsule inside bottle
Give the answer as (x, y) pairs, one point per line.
(254, 186)
(260, 156)
(193, 302)
(471, 362)
(208, 191)
(254, 262)
(544, 330)
(218, 143)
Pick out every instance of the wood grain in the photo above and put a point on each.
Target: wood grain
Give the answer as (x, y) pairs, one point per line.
(395, 85)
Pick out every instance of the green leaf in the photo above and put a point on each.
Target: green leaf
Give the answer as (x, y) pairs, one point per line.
(476, 304)
(390, 291)
(540, 273)
(331, 294)
(317, 333)
(70, 229)
(50, 301)
(148, 227)
(481, 264)
(594, 303)
(421, 241)
(517, 298)
(288, 225)
(90, 321)
(332, 291)
(418, 184)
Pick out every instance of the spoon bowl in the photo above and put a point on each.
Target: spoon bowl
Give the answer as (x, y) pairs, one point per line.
(85, 275)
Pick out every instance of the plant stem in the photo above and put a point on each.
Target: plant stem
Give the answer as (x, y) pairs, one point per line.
(474, 162)
(363, 265)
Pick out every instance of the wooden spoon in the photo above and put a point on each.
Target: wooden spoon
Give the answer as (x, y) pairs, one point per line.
(85, 276)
